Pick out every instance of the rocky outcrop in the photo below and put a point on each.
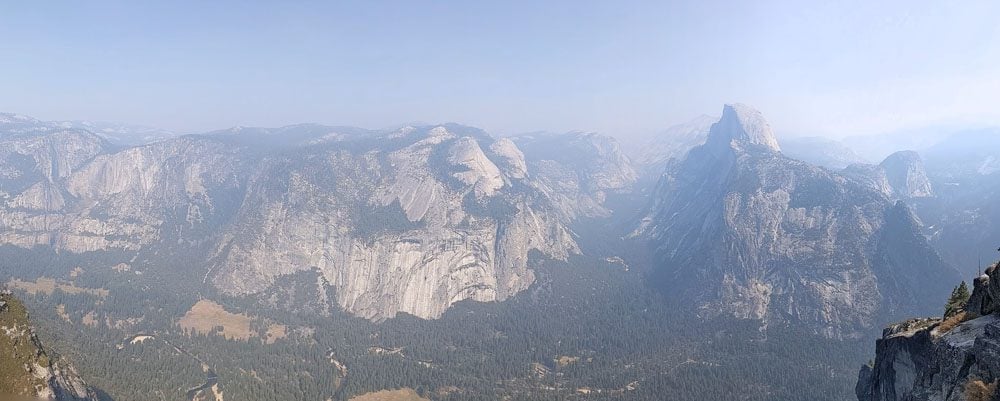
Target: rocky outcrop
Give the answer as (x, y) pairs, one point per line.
(28, 371)
(511, 157)
(931, 359)
(478, 171)
(741, 230)
(981, 301)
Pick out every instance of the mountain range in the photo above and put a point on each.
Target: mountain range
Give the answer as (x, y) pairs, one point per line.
(716, 218)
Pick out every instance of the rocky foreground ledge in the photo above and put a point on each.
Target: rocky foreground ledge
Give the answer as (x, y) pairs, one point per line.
(26, 370)
(954, 359)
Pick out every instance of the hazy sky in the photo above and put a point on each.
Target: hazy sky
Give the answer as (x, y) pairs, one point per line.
(619, 67)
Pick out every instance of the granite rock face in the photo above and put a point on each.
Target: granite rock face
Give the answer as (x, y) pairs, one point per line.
(904, 170)
(102, 200)
(742, 126)
(741, 230)
(924, 359)
(414, 229)
(409, 220)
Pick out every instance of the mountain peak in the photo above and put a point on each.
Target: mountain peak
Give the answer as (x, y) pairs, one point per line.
(905, 173)
(903, 157)
(742, 125)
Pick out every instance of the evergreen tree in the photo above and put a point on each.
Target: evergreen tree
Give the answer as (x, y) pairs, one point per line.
(957, 301)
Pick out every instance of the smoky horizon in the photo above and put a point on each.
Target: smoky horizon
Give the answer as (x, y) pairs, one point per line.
(628, 70)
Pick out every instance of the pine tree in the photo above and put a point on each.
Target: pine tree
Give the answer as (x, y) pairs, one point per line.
(957, 301)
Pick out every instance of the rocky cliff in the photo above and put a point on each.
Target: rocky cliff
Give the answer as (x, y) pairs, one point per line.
(98, 200)
(955, 359)
(445, 214)
(741, 230)
(26, 370)
(410, 220)
(904, 170)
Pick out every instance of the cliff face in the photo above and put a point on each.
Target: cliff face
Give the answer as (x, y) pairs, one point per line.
(103, 200)
(444, 215)
(25, 368)
(747, 232)
(411, 220)
(931, 359)
(905, 173)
